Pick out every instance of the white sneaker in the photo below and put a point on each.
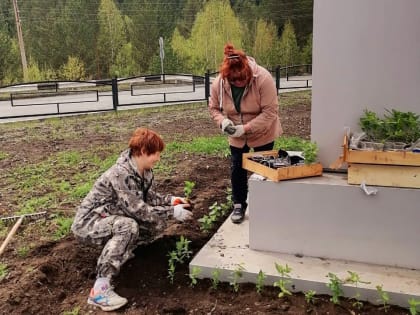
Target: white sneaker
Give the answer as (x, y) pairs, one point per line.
(106, 299)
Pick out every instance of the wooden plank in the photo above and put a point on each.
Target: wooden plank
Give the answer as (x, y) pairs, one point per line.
(384, 175)
(383, 157)
(380, 157)
(282, 173)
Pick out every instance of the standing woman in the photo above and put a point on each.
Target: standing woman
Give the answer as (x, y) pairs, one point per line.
(244, 104)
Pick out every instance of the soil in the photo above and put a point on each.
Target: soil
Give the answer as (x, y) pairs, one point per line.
(55, 276)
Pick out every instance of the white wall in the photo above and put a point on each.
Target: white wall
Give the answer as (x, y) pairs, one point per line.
(366, 54)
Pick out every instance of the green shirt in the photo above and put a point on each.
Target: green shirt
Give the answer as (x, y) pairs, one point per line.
(237, 93)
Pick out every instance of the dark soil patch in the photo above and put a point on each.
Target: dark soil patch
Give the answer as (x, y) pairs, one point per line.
(55, 277)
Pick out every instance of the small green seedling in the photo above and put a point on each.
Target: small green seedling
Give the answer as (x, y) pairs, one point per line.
(413, 303)
(335, 286)
(236, 275)
(259, 285)
(215, 278)
(179, 255)
(3, 271)
(188, 187)
(310, 296)
(195, 272)
(354, 278)
(283, 282)
(383, 298)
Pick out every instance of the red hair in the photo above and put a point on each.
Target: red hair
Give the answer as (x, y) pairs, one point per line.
(145, 141)
(235, 65)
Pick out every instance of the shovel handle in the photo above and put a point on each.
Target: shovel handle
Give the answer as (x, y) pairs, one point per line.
(10, 235)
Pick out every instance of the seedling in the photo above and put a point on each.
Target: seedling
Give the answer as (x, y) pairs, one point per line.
(283, 282)
(335, 286)
(413, 303)
(354, 278)
(3, 271)
(195, 272)
(188, 187)
(383, 298)
(215, 278)
(310, 296)
(179, 255)
(236, 275)
(259, 285)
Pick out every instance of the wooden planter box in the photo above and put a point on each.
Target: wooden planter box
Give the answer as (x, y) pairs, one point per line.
(282, 173)
(382, 168)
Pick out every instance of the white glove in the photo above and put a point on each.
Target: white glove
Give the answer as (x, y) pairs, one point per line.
(239, 131)
(227, 126)
(182, 214)
(178, 200)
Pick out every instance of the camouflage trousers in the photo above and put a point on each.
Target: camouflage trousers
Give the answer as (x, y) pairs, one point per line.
(119, 234)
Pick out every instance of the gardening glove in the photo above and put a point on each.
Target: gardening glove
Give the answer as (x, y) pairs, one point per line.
(182, 214)
(227, 126)
(239, 131)
(178, 200)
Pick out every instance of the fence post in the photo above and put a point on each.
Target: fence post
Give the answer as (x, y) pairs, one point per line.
(278, 79)
(207, 86)
(114, 84)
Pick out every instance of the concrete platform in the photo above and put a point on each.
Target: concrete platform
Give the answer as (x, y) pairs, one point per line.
(230, 246)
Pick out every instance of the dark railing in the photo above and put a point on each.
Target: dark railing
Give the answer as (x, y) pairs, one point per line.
(48, 98)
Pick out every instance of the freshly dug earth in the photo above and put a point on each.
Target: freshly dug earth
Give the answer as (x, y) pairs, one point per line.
(55, 277)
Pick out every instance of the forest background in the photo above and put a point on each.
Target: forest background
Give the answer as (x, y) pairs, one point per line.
(100, 39)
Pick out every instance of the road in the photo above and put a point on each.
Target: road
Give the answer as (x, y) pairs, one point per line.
(51, 103)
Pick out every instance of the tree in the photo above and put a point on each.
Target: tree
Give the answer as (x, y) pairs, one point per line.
(306, 56)
(212, 29)
(125, 64)
(111, 36)
(289, 49)
(73, 70)
(264, 45)
(151, 19)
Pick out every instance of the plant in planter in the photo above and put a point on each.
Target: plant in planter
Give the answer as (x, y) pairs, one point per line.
(401, 126)
(372, 126)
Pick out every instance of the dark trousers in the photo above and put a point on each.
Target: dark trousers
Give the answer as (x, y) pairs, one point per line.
(238, 175)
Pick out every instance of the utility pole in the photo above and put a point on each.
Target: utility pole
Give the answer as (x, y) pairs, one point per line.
(21, 44)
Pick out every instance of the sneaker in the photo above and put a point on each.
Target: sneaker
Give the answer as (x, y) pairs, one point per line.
(238, 213)
(106, 299)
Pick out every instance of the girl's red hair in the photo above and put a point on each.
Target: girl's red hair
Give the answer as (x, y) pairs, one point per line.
(145, 141)
(235, 65)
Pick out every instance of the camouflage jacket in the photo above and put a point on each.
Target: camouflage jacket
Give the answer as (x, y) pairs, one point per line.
(122, 191)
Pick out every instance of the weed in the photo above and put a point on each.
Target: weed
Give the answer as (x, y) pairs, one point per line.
(63, 227)
(195, 272)
(74, 311)
(259, 285)
(383, 298)
(188, 187)
(3, 271)
(215, 278)
(283, 282)
(413, 303)
(3, 155)
(335, 286)
(235, 276)
(310, 296)
(23, 251)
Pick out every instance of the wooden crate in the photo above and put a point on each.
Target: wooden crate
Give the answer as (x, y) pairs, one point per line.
(282, 173)
(382, 168)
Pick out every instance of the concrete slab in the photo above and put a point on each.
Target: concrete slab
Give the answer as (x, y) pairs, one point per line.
(229, 247)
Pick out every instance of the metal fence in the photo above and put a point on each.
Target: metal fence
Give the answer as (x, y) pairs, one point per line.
(55, 98)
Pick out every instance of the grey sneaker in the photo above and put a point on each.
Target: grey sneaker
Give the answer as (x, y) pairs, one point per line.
(106, 299)
(238, 213)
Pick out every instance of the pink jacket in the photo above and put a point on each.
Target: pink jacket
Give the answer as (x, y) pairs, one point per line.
(259, 107)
